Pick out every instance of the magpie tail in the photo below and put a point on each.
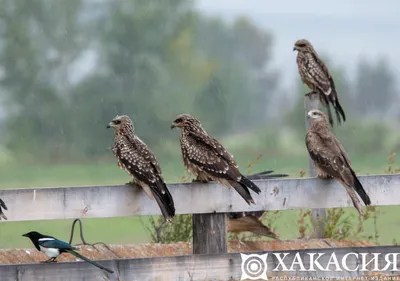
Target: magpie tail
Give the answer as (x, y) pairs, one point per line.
(72, 252)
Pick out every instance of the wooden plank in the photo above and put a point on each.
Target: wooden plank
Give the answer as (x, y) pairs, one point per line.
(311, 101)
(207, 267)
(190, 198)
(209, 234)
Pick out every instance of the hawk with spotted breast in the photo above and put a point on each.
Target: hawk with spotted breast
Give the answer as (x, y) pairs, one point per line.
(315, 74)
(136, 158)
(208, 160)
(330, 158)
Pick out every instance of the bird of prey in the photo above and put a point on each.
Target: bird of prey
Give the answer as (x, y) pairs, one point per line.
(331, 159)
(53, 247)
(136, 158)
(2, 206)
(315, 74)
(208, 160)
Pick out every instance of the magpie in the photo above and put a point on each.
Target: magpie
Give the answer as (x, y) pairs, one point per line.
(53, 247)
(2, 205)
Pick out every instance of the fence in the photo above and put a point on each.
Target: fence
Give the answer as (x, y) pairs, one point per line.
(209, 239)
(207, 203)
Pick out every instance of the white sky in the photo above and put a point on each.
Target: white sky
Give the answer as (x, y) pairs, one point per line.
(345, 30)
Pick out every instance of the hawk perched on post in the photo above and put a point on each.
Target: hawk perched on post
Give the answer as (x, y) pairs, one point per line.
(208, 160)
(2, 205)
(135, 157)
(314, 73)
(331, 159)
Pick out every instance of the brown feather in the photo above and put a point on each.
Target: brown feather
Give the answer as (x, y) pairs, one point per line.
(315, 74)
(330, 158)
(137, 159)
(207, 159)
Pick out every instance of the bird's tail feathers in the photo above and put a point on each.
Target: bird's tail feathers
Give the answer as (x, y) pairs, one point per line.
(3, 205)
(165, 201)
(243, 191)
(333, 99)
(325, 100)
(2, 215)
(265, 175)
(248, 183)
(354, 198)
(72, 252)
(360, 190)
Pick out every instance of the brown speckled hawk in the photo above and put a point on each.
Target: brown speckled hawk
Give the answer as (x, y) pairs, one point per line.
(314, 73)
(136, 158)
(208, 160)
(331, 159)
(2, 206)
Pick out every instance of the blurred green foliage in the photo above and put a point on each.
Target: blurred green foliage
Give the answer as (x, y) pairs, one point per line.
(151, 60)
(68, 67)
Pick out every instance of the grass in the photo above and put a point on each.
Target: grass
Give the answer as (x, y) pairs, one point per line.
(131, 229)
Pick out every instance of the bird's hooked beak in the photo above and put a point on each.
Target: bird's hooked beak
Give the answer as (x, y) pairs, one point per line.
(110, 125)
(173, 125)
(294, 48)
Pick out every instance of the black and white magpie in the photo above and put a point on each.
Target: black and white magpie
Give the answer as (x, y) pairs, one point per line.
(53, 247)
(2, 205)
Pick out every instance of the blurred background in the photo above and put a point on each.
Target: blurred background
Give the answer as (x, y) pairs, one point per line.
(68, 67)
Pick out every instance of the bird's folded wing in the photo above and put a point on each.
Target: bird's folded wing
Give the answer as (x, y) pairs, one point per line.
(325, 153)
(318, 72)
(213, 145)
(136, 163)
(54, 244)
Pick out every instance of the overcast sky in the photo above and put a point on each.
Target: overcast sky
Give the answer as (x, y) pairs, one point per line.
(343, 29)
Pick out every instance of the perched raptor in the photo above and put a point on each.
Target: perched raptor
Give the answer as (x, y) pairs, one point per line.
(135, 157)
(331, 159)
(314, 73)
(208, 160)
(2, 206)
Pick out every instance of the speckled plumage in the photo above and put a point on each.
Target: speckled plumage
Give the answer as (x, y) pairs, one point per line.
(330, 158)
(315, 74)
(136, 158)
(208, 160)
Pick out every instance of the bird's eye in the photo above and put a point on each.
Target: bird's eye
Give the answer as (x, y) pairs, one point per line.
(179, 120)
(116, 122)
(301, 45)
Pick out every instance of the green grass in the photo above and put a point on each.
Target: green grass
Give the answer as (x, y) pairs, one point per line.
(131, 229)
